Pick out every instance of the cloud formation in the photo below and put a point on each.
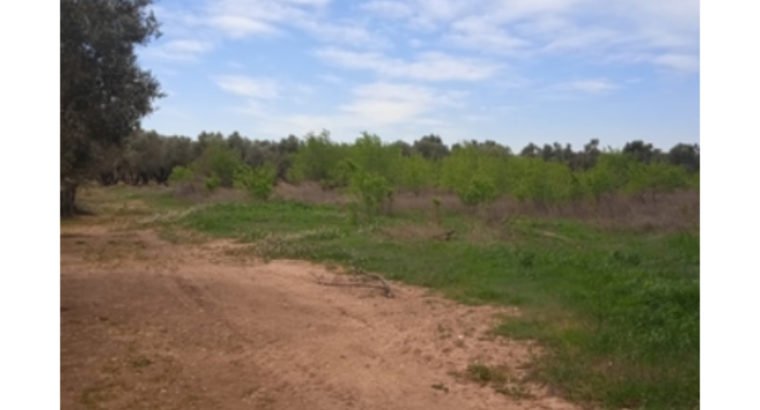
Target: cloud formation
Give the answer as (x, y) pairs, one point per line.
(408, 66)
(428, 66)
(245, 86)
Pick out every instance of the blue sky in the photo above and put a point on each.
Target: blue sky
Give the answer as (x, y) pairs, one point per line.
(514, 71)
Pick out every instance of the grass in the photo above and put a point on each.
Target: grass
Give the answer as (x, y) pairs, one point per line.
(618, 312)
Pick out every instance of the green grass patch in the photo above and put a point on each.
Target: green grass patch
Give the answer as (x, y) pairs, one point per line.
(617, 311)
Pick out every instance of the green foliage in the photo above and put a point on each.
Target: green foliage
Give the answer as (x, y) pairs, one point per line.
(220, 162)
(370, 155)
(656, 178)
(341, 175)
(685, 155)
(181, 175)
(416, 173)
(431, 147)
(212, 182)
(479, 190)
(611, 173)
(542, 182)
(372, 191)
(256, 221)
(258, 182)
(666, 178)
(476, 175)
(476, 171)
(316, 158)
(104, 93)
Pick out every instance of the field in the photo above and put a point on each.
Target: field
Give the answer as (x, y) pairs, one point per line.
(492, 308)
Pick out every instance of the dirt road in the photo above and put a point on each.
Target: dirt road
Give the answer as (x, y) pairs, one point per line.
(147, 324)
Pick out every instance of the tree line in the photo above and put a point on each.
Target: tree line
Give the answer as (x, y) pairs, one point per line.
(476, 171)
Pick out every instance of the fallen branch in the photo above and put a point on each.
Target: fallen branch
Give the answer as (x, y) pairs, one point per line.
(386, 285)
(383, 285)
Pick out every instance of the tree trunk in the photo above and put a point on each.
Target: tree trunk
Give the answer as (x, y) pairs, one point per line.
(68, 199)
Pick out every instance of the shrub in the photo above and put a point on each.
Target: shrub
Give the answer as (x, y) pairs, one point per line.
(219, 162)
(370, 155)
(542, 182)
(481, 189)
(655, 178)
(212, 182)
(181, 175)
(371, 191)
(258, 181)
(316, 159)
(340, 176)
(611, 173)
(416, 173)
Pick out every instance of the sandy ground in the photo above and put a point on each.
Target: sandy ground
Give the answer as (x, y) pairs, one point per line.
(147, 324)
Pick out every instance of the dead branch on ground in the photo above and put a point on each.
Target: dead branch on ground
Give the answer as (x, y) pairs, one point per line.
(382, 285)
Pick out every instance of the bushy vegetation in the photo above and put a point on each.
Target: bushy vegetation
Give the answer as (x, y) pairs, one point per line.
(258, 182)
(477, 172)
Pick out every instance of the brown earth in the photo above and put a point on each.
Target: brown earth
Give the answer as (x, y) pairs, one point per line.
(147, 324)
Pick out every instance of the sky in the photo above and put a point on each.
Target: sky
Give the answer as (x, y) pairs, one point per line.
(512, 71)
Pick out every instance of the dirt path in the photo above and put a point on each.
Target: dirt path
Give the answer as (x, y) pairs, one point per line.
(152, 325)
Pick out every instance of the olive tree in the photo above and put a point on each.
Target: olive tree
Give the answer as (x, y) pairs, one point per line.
(104, 93)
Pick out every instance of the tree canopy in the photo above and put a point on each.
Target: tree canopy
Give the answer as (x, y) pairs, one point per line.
(104, 92)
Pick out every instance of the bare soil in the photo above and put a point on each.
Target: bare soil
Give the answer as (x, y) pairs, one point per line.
(148, 324)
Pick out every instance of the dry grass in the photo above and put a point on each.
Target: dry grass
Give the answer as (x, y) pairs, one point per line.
(678, 211)
(413, 232)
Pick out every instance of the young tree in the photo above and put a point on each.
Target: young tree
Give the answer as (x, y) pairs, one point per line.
(640, 151)
(431, 147)
(531, 150)
(686, 156)
(103, 91)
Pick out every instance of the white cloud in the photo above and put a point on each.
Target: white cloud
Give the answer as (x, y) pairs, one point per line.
(181, 49)
(517, 9)
(679, 62)
(331, 79)
(390, 109)
(480, 33)
(603, 30)
(343, 33)
(244, 86)
(386, 103)
(591, 86)
(575, 88)
(240, 26)
(430, 66)
(312, 3)
(386, 8)
(188, 46)
(242, 18)
(572, 38)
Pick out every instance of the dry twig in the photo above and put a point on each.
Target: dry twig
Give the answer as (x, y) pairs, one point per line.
(383, 285)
